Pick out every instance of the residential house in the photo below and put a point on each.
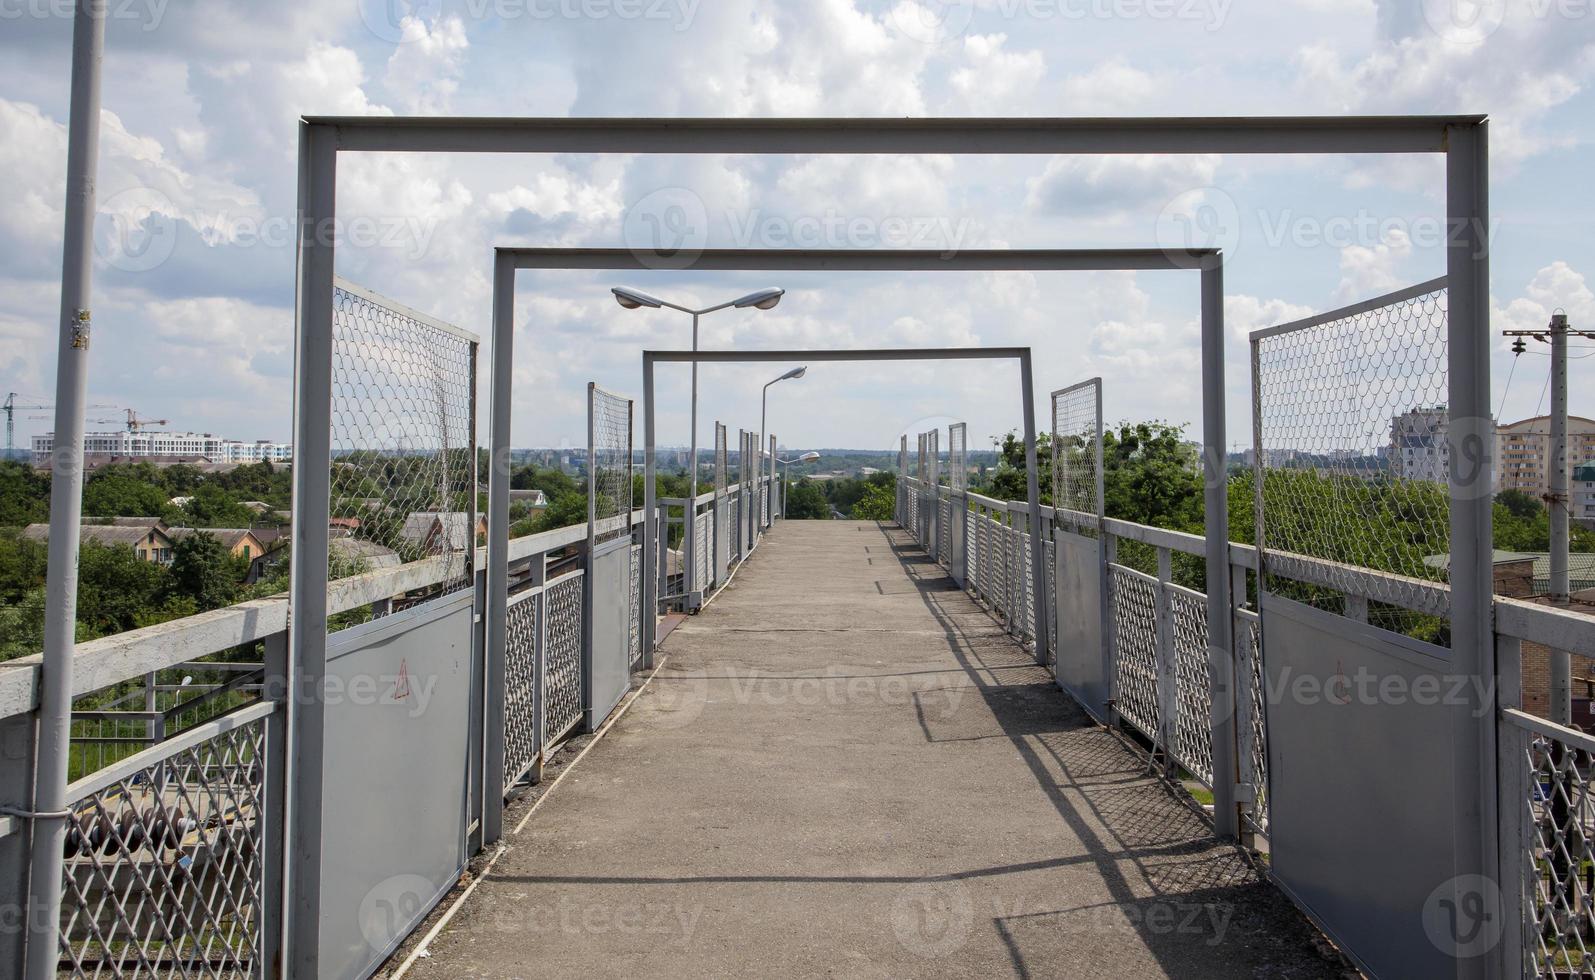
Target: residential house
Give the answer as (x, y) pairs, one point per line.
(438, 532)
(148, 540)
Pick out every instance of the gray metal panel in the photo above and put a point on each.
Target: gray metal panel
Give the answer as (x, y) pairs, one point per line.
(722, 539)
(1082, 665)
(957, 531)
(610, 667)
(1360, 783)
(398, 715)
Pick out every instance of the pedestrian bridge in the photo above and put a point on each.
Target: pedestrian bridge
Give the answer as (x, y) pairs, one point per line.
(986, 738)
(844, 765)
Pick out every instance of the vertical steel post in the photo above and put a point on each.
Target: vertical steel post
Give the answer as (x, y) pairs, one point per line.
(653, 543)
(66, 493)
(1038, 554)
(689, 542)
(1220, 627)
(498, 533)
(1556, 497)
(312, 479)
(273, 833)
(1471, 436)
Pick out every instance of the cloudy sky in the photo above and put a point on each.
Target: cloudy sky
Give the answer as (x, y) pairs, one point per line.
(194, 283)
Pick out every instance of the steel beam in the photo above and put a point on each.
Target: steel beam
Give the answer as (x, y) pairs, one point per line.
(983, 136)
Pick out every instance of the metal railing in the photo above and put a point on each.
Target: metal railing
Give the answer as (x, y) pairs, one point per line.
(175, 857)
(1157, 636)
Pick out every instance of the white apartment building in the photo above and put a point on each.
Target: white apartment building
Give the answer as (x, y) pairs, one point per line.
(1418, 446)
(1522, 453)
(1582, 491)
(212, 447)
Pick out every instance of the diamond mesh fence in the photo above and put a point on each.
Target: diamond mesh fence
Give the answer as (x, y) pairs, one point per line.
(1192, 742)
(700, 549)
(562, 698)
(609, 464)
(1134, 605)
(721, 464)
(1352, 454)
(933, 455)
(902, 455)
(403, 467)
(164, 867)
(634, 619)
(958, 456)
(923, 471)
(1077, 447)
(1558, 887)
(1254, 730)
(524, 616)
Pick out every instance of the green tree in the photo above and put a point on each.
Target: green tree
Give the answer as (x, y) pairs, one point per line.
(879, 503)
(24, 494)
(211, 506)
(806, 502)
(1520, 504)
(204, 571)
(116, 589)
(122, 494)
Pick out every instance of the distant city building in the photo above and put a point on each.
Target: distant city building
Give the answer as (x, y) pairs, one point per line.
(1418, 446)
(1522, 453)
(135, 445)
(1583, 491)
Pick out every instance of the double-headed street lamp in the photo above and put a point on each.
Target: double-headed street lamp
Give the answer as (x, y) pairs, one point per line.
(764, 407)
(631, 299)
(786, 474)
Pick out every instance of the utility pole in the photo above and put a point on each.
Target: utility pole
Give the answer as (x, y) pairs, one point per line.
(66, 495)
(1556, 500)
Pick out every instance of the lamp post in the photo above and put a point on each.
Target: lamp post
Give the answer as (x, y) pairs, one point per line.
(631, 299)
(787, 474)
(764, 408)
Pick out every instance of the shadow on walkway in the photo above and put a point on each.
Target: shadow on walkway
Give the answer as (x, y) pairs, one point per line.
(847, 768)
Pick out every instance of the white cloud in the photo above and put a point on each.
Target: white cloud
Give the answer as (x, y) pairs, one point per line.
(425, 68)
(993, 80)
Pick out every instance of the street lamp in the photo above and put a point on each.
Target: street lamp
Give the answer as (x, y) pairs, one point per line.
(632, 299)
(764, 407)
(786, 475)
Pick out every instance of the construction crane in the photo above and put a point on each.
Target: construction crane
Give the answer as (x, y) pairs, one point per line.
(11, 407)
(135, 422)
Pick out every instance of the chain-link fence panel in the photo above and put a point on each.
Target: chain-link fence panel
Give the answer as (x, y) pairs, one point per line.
(700, 549)
(902, 455)
(1556, 888)
(923, 469)
(609, 461)
(634, 618)
(523, 617)
(933, 453)
(1077, 448)
(721, 462)
(958, 456)
(1133, 600)
(1192, 736)
(403, 466)
(1253, 729)
(164, 870)
(562, 659)
(1352, 454)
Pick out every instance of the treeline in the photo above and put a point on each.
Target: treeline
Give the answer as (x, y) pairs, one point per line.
(872, 498)
(117, 590)
(145, 490)
(1152, 475)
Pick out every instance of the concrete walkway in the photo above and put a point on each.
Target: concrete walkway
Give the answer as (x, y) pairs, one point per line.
(846, 769)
